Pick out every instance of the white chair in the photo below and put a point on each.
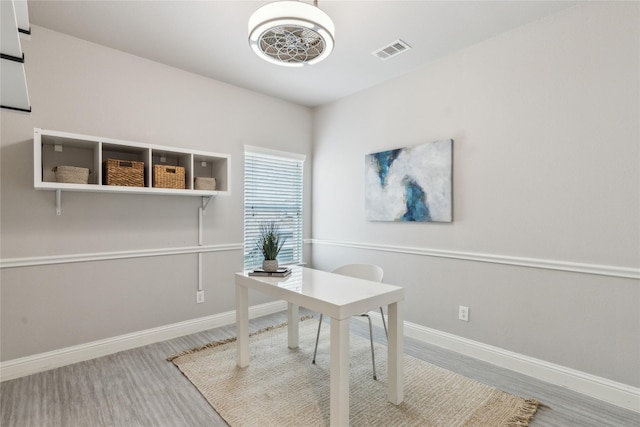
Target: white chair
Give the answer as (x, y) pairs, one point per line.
(361, 271)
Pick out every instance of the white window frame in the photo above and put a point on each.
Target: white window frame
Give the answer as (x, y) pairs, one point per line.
(288, 214)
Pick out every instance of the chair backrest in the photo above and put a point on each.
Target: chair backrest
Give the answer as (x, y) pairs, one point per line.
(361, 271)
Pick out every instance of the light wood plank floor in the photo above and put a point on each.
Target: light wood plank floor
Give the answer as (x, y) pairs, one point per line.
(139, 388)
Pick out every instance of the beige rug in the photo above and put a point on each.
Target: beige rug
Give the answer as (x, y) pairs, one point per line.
(282, 388)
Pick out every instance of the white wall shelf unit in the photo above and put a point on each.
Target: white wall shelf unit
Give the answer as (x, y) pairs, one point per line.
(54, 148)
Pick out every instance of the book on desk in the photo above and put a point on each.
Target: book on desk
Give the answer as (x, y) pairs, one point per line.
(280, 272)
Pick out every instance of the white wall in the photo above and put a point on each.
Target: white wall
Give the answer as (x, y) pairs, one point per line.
(545, 123)
(79, 87)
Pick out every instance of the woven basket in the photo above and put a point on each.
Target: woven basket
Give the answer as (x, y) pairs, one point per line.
(203, 183)
(72, 174)
(168, 176)
(124, 172)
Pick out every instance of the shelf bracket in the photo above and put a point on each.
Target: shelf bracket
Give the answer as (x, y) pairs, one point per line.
(205, 203)
(201, 211)
(58, 202)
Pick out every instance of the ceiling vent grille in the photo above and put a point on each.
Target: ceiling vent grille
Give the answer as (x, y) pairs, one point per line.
(393, 49)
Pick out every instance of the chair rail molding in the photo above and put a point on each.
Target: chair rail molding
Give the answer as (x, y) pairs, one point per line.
(105, 256)
(573, 267)
(585, 268)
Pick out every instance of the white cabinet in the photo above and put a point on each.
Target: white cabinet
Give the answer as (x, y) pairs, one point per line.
(53, 148)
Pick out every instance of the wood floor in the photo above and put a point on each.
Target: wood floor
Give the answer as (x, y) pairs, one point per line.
(139, 388)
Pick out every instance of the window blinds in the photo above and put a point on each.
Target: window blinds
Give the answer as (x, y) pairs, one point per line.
(272, 192)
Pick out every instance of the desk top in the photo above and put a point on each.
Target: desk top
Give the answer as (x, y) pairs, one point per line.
(332, 294)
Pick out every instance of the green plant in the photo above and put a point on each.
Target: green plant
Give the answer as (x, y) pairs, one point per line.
(270, 241)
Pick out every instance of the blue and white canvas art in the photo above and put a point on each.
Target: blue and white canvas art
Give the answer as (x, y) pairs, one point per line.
(410, 184)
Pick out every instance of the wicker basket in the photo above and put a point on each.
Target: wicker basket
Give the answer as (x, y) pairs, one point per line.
(203, 183)
(168, 176)
(72, 174)
(124, 172)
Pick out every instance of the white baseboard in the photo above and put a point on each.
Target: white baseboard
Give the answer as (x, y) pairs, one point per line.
(609, 391)
(29, 365)
(613, 392)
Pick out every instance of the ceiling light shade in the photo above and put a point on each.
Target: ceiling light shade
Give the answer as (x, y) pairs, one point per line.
(291, 33)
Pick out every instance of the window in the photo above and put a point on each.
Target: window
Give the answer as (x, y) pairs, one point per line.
(272, 192)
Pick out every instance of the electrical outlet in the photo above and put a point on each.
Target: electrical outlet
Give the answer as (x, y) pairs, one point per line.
(463, 313)
(199, 297)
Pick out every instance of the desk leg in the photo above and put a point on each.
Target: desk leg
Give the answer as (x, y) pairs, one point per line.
(395, 358)
(339, 408)
(242, 325)
(292, 323)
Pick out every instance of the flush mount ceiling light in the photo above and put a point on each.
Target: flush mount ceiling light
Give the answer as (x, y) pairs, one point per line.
(291, 33)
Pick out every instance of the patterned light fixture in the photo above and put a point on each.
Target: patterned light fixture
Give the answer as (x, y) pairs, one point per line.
(291, 33)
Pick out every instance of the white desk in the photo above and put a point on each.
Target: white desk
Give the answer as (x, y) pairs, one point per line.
(340, 298)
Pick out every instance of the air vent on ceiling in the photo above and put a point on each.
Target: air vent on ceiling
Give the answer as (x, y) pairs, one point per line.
(395, 48)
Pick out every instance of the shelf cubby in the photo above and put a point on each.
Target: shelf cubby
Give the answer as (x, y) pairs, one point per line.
(68, 151)
(173, 158)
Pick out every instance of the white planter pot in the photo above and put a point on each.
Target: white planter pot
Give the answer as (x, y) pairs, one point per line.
(270, 265)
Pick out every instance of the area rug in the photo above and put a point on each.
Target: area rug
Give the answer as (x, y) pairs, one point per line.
(281, 387)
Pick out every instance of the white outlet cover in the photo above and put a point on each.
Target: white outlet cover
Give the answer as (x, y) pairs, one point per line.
(463, 313)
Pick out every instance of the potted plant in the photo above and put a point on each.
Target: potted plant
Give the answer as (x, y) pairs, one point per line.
(269, 243)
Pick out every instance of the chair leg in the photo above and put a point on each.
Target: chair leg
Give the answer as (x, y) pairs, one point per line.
(384, 323)
(315, 350)
(373, 357)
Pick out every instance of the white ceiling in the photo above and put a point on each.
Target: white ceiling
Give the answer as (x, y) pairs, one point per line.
(210, 37)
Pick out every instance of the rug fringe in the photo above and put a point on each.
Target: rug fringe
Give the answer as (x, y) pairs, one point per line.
(229, 340)
(525, 413)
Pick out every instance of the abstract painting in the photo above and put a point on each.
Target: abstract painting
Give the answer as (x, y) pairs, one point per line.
(410, 184)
